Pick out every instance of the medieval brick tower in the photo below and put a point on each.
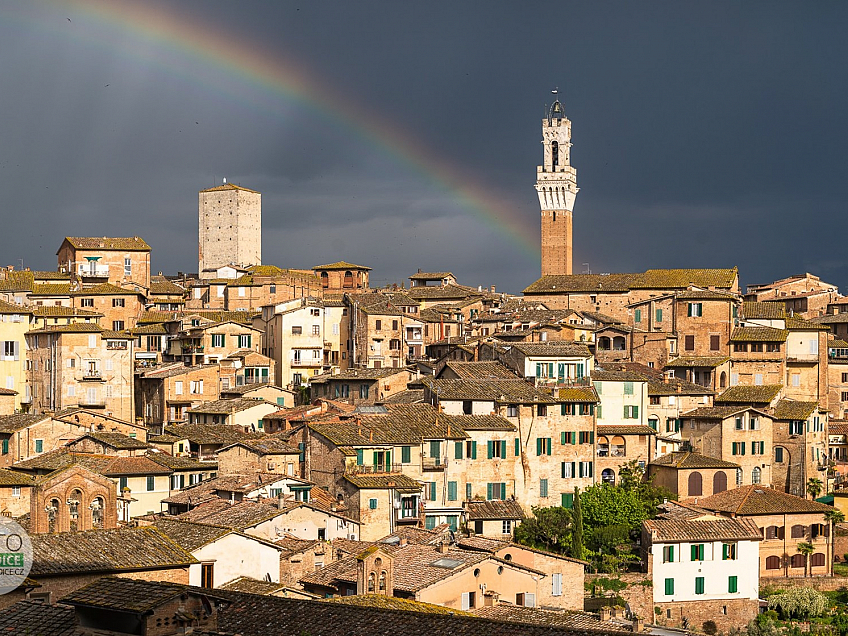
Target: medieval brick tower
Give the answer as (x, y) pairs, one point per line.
(556, 183)
(230, 228)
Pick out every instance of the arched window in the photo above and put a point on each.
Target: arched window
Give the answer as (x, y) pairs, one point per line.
(797, 561)
(619, 343)
(74, 509)
(719, 482)
(97, 510)
(348, 279)
(325, 280)
(738, 476)
(603, 446)
(383, 580)
(799, 532)
(817, 559)
(773, 563)
(604, 343)
(617, 447)
(371, 579)
(755, 475)
(722, 380)
(774, 532)
(608, 476)
(695, 484)
(654, 423)
(52, 511)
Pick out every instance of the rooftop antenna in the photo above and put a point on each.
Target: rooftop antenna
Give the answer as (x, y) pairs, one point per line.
(225, 180)
(588, 271)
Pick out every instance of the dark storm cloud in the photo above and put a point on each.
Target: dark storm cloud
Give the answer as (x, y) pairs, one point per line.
(705, 134)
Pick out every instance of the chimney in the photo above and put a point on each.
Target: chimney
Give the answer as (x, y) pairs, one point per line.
(280, 502)
(606, 613)
(442, 548)
(638, 624)
(403, 541)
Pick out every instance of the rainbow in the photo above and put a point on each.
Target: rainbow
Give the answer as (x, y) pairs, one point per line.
(202, 52)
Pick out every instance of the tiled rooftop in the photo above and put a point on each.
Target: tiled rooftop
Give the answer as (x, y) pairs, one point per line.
(705, 528)
(749, 394)
(687, 459)
(760, 500)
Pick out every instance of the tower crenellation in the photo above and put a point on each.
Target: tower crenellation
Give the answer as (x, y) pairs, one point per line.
(556, 185)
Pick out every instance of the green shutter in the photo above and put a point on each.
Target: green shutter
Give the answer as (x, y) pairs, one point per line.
(538, 369)
(669, 587)
(5, 446)
(360, 459)
(732, 584)
(436, 449)
(503, 448)
(543, 487)
(658, 314)
(635, 410)
(701, 552)
(457, 450)
(573, 437)
(468, 490)
(473, 450)
(372, 504)
(638, 315)
(432, 491)
(562, 470)
(490, 449)
(591, 437)
(699, 585)
(724, 547)
(694, 550)
(503, 490)
(567, 500)
(451, 491)
(580, 467)
(550, 445)
(429, 523)
(151, 483)
(39, 445)
(628, 388)
(671, 553)
(488, 492)
(538, 446)
(517, 447)
(562, 438)
(405, 454)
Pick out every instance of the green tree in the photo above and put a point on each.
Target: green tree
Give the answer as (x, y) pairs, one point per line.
(548, 529)
(806, 549)
(814, 487)
(834, 516)
(631, 475)
(607, 505)
(577, 548)
(799, 602)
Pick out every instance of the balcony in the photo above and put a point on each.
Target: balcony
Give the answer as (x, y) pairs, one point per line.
(117, 345)
(92, 376)
(433, 463)
(92, 403)
(192, 349)
(92, 270)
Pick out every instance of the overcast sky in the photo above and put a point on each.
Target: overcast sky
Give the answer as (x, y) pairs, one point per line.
(406, 135)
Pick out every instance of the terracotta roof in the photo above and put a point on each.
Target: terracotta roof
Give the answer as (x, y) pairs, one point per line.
(226, 407)
(706, 528)
(237, 516)
(793, 410)
(687, 459)
(651, 279)
(625, 429)
(493, 509)
(409, 396)
(483, 422)
(265, 446)
(501, 391)
(577, 394)
(574, 621)
(76, 327)
(748, 394)
(696, 361)
(552, 348)
(251, 586)
(758, 334)
(128, 244)
(480, 370)
(340, 265)
(675, 386)
(52, 311)
(125, 595)
(172, 369)
(17, 281)
(19, 421)
(381, 601)
(179, 463)
(760, 500)
(368, 481)
(115, 440)
(229, 186)
(413, 535)
(753, 310)
(94, 551)
(482, 544)
(35, 618)
(450, 291)
(106, 289)
(211, 433)
(713, 412)
(188, 535)
(15, 478)
(794, 323)
(358, 374)
(705, 294)
(603, 375)
(586, 283)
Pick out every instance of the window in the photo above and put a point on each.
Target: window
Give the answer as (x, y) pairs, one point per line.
(728, 552)
(86, 302)
(697, 551)
(452, 494)
(695, 484)
(127, 267)
(567, 500)
(669, 587)
(755, 475)
(117, 325)
(756, 347)
(715, 343)
(543, 487)
(496, 449)
(758, 448)
(151, 483)
(218, 340)
(178, 387)
(586, 469)
(699, 585)
(631, 412)
(512, 410)
(695, 310)
(658, 315)
(739, 424)
(796, 427)
(316, 330)
(567, 470)
(495, 491)
(6, 446)
(732, 584)
(542, 410)
(471, 449)
(543, 446)
(778, 454)
(118, 302)
(798, 532)
(817, 559)
(196, 386)
(378, 325)
(740, 347)
(668, 554)
(244, 341)
(39, 446)
(737, 448)
(689, 343)
(773, 563)
(297, 330)
(637, 315)
(628, 388)
(372, 504)
(556, 584)
(207, 578)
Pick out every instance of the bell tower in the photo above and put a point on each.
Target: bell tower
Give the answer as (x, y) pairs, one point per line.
(556, 183)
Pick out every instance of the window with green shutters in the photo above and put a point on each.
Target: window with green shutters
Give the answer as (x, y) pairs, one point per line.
(668, 554)
(699, 585)
(405, 454)
(697, 550)
(496, 449)
(669, 587)
(457, 450)
(587, 409)
(728, 551)
(436, 449)
(5, 446)
(543, 446)
(39, 446)
(628, 388)
(372, 504)
(517, 447)
(122, 483)
(631, 412)
(543, 487)
(468, 491)
(732, 584)
(778, 454)
(658, 315)
(429, 523)
(151, 483)
(360, 457)
(567, 500)
(694, 310)
(432, 491)
(637, 315)
(471, 449)
(452, 491)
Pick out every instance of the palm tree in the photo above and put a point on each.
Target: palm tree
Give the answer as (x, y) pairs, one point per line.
(814, 487)
(834, 516)
(806, 549)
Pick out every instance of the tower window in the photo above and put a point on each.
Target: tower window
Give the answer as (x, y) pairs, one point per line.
(554, 153)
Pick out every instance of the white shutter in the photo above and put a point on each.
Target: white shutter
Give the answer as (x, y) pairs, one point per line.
(178, 387)
(556, 584)
(466, 601)
(17, 346)
(529, 600)
(92, 341)
(108, 364)
(10, 382)
(72, 390)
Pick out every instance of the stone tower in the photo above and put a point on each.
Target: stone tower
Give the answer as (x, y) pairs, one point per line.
(230, 228)
(556, 183)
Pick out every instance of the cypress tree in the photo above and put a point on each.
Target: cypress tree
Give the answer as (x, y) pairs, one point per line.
(577, 527)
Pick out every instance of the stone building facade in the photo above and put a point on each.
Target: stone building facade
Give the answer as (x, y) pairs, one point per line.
(230, 227)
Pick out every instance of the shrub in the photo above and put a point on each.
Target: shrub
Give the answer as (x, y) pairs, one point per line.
(710, 628)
